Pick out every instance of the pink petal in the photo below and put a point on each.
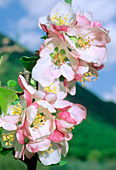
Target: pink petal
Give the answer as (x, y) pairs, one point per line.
(43, 71)
(1, 122)
(60, 28)
(27, 96)
(78, 112)
(62, 105)
(66, 116)
(20, 137)
(82, 21)
(34, 147)
(67, 71)
(51, 98)
(97, 24)
(56, 136)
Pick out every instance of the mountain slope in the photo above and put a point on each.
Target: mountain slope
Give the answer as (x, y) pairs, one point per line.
(12, 53)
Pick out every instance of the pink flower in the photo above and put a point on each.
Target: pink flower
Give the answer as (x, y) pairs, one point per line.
(71, 114)
(55, 61)
(41, 123)
(53, 154)
(31, 92)
(89, 44)
(57, 87)
(86, 72)
(59, 19)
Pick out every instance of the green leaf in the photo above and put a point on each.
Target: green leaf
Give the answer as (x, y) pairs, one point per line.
(4, 151)
(56, 50)
(29, 62)
(69, 1)
(73, 38)
(69, 49)
(33, 82)
(0, 110)
(11, 83)
(45, 36)
(7, 96)
(1, 59)
(61, 163)
(62, 51)
(26, 140)
(16, 101)
(52, 55)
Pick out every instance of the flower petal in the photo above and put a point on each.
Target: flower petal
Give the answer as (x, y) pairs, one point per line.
(62, 8)
(67, 71)
(62, 105)
(46, 105)
(51, 158)
(34, 147)
(43, 71)
(56, 137)
(77, 112)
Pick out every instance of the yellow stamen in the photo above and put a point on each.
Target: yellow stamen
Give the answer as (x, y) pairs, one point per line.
(60, 21)
(16, 109)
(51, 89)
(49, 150)
(8, 138)
(39, 120)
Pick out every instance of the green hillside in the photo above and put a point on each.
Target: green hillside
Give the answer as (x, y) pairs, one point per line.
(95, 138)
(12, 53)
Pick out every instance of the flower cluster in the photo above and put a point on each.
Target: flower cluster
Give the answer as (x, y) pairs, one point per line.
(42, 121)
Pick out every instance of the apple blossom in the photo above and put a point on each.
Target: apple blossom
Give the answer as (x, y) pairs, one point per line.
(55, 60)
(61, 18)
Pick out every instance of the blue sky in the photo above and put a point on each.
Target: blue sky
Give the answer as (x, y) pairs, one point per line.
(19, 20)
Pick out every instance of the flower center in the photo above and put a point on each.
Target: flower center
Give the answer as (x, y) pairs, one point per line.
(17, 109)
(58, 56)
(81, 42)
(39, 120)
(58, 19)
(49, 150)
(86, 78)
(8, 139)
(51, 88)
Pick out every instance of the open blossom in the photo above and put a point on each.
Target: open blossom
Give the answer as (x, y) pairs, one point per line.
(57, 87)
(86, 72)
(53, 154)
(56, 60)
(89, 44)
(70, 114)
(30, 92)
(88, 40)
(59, 19)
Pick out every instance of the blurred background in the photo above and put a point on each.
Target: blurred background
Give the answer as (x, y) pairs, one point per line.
(93, 146)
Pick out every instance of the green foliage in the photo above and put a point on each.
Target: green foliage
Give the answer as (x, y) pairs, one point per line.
(4, 151)
(33, 83)
(69, 1)
(11, 83)
(16, 101)
(26, 140)
(29, 62)
(7, 96)
(56, 50)
(45, 36)
(93, 139)
(61, 163)
(1, 59)
(0, 111)
(62, 51)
